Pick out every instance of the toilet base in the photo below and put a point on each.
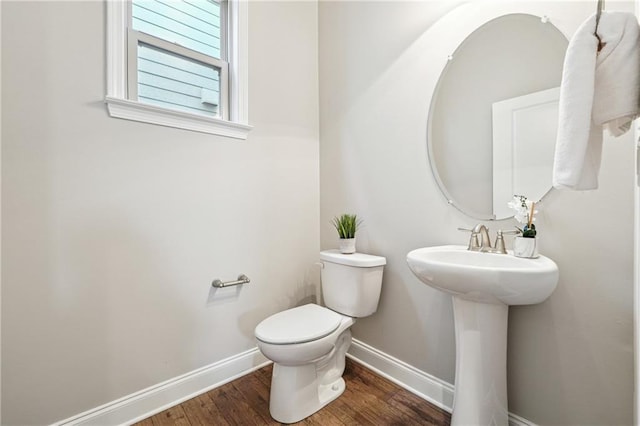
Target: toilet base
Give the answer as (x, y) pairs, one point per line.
(296, 394)
(299, 391)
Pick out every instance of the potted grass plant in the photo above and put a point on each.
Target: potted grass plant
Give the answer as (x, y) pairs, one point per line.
(347, 225)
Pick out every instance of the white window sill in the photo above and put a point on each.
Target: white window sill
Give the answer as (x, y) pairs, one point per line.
(137, 111)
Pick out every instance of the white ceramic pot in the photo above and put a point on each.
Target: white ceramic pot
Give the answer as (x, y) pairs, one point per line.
(347, 245)
(525, 247)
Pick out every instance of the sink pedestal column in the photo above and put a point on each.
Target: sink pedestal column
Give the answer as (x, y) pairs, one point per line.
(480, 396)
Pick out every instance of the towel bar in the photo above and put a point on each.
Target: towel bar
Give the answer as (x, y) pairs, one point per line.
(242, 279)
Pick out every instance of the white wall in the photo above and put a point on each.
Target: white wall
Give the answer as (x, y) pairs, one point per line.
(113, 230)
(570, 358)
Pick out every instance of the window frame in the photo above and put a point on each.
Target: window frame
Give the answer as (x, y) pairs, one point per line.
(233, 122)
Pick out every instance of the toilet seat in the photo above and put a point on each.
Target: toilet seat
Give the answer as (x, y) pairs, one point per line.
(298, 325)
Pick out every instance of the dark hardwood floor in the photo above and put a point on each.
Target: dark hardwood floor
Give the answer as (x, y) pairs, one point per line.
(368, 400)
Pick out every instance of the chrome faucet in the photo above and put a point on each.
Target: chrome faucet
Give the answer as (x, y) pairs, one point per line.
(484, 245)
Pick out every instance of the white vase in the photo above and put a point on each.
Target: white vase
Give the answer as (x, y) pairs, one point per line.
(525, 247)
(347, 245)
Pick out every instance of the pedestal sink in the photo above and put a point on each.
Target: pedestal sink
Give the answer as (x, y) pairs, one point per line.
(483, 286)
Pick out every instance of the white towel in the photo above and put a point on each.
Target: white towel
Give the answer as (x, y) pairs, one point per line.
(598, 90)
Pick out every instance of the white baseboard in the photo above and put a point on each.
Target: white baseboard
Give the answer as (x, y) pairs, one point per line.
(516, 420)
(147, 402)
(436, 391)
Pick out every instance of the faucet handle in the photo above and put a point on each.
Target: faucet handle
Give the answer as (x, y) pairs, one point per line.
(499, 245)
(474, 244)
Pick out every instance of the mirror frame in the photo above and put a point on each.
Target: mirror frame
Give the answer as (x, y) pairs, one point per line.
(451, 31)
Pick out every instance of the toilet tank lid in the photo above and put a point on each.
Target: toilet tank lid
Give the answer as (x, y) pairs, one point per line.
(356, 259)
(298, 325)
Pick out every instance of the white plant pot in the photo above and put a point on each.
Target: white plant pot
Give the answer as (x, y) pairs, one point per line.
(525, 247)
(347, 245)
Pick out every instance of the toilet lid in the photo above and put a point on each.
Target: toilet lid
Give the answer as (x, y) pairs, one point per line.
(298, 325)
(359, 260)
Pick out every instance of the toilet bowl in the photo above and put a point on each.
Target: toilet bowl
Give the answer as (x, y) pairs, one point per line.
(307, 372)
(308, 343)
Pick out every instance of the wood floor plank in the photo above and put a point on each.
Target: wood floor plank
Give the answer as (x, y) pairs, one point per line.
(256, 394)
(403, 404)
(201, 410)
(234, 408)
(252, 383)
(349, 413)
(323, 417)
(368, 400)
(416, 407)
(372, 407)
(173, 416)
(344, 411)
(374, 384)
(264, 375)
(145, 422)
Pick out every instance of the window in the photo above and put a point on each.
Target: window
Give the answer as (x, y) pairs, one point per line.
(176, 55)
(179, 63)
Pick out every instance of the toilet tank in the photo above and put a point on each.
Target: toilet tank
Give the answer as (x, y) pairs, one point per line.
(351, 283)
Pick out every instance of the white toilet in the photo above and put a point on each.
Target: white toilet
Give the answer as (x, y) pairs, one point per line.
(308, 344)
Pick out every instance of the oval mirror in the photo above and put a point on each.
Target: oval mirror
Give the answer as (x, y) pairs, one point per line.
(493, 116)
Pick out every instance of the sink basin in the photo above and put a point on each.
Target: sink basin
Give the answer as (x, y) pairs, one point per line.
(483, 286)
(485, 277)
